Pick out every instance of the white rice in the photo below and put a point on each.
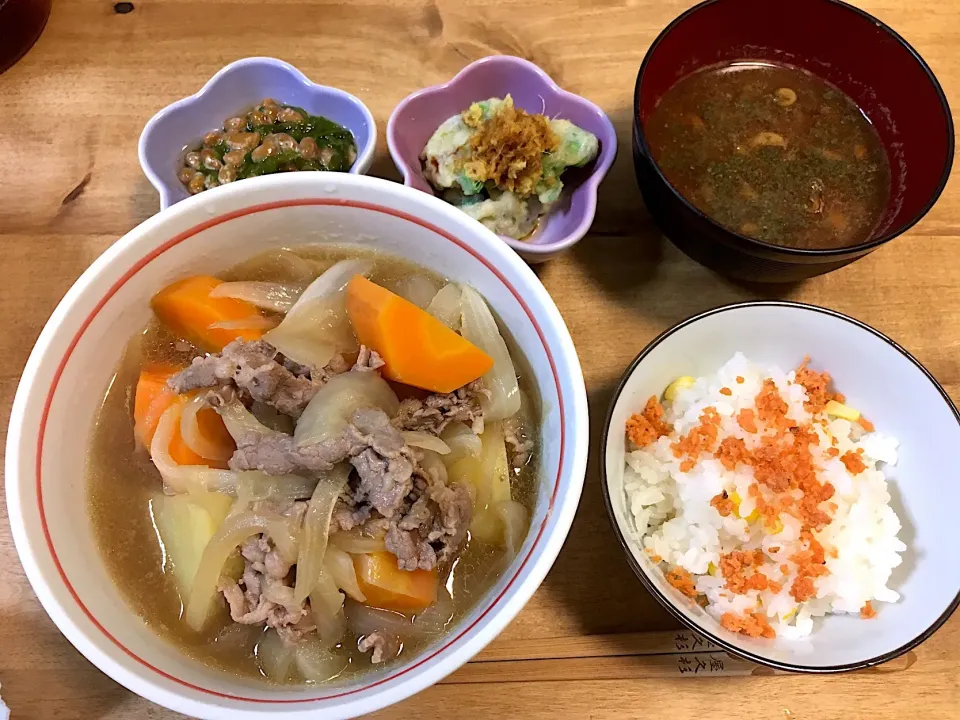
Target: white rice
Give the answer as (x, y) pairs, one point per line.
(676, 522)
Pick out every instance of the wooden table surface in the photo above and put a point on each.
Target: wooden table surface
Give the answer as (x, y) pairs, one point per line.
(70, 185)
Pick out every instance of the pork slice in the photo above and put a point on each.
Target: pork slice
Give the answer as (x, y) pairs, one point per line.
(262, 595)
(383, 645)
(519, 448)
(293, 634)
(433, 527)
(347, 514)
(279, 454)
(253, 368)
(451, 523)
(372, 427)
(434, 413)
(384, 482)
(412, 550)
(254, 550)
(368, 359)
(420, 515)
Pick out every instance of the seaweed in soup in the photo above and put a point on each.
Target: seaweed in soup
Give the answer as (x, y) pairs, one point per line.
(774, 153)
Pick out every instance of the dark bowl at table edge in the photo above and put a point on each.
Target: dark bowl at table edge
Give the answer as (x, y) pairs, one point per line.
(651, 588)
(738, 256)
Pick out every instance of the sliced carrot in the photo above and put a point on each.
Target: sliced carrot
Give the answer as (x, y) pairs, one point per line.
(152, 399)
(187, 309)
(387, 586)
(417, 348)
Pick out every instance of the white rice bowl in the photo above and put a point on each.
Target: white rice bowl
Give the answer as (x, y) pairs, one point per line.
(894, 527)
(673, 515)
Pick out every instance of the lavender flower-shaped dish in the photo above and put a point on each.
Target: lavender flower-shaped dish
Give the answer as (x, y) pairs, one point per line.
(416, 118)
(234, 89)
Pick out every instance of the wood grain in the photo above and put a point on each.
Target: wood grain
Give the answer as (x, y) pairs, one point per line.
(73, 110)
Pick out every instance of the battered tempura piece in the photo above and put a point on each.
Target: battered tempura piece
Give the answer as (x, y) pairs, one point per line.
(501, 165)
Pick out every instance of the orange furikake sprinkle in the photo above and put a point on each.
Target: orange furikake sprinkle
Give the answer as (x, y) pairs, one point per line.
(701, 438)
(853, 462)
(738, 569)
(747, 420)
(787, 463)
(682, 581)
(816, 386)
(732, 451)
(833, 452)
(722, 503)
(740, 380)
(866, 424)
(772, 408)
(726, 391)
(810, 565)
(648, 426)
(867, 612)
(750, 624)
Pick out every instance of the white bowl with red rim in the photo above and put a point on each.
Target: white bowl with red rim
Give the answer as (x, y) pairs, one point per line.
(75, 357)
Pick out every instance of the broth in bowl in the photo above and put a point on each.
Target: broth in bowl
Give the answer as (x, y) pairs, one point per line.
(313, 464)
(774, 153)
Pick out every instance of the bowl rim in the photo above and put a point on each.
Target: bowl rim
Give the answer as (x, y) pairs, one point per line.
(438, 660)
(360, 165)
(642, 575)
(592, 182)
(762, 246)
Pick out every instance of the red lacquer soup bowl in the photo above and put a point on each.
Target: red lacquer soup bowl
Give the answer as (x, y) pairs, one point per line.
(847, 47)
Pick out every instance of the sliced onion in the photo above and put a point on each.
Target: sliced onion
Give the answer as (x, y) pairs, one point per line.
(343, 572)
(283, 264)
(434, 620)
(236, 640)
(275, 658)
(418, 289)
(515, 523)
(415, 438)
(253, 322)
(364, 620)
(462, 441)
(445, 306)
(480, 328)
(184, 478)
(328, 413)
(285, 534)
(316, 530)
(301, 269)
(312, 334)
(317, 327)
(234, 531)
(253, 485)
(316, 663)
(356, 543)
(326, 601)
(269, 296)
(332, 282)
(300, 339)
(193, 438)
(271, 417)
(431, 463)
(240, 421)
